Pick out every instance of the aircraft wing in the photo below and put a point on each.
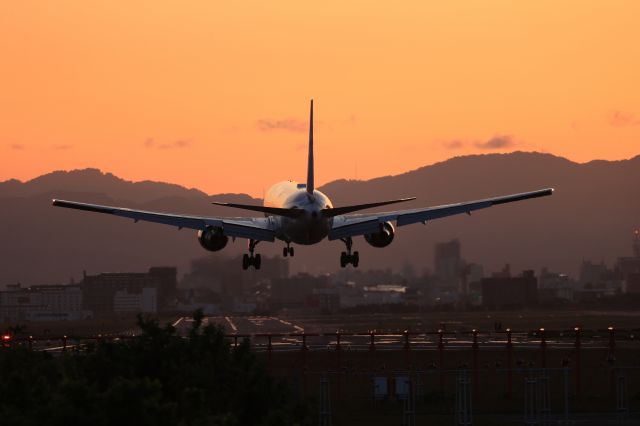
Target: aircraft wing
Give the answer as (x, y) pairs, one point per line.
(258, 228)
(360, 224)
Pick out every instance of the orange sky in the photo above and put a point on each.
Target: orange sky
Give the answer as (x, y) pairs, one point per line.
(214, 95)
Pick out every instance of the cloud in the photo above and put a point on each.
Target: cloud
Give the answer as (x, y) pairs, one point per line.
(62, 147)
(496, 142)
(455, 144)
(622, 119)
(287, 124)
(17, 146)
(180, 143)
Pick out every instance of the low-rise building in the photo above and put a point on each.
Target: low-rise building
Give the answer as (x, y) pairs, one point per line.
(325, 300)
(42, 303)
(293, 292)
(144, 301)
(383, 294)
(506, 292)
(101, 291)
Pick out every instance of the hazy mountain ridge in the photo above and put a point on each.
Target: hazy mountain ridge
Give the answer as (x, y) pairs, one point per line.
(591, 215)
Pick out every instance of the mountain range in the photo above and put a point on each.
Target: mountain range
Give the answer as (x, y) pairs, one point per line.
(591, 216)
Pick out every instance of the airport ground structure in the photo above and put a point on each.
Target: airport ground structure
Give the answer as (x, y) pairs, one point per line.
(535, 377)
(540, 376)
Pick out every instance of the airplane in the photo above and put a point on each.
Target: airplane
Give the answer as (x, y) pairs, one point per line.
(298, 213)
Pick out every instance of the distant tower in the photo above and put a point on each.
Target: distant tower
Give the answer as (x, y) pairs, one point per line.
(448, 263)
(636, 243)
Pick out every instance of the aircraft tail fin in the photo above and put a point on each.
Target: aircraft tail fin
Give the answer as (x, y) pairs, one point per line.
(310, 183)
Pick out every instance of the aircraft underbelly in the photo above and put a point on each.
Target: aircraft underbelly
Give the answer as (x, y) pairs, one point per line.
(303, 231)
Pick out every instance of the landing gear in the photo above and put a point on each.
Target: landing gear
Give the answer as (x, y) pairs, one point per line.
(251, 259)
(287, 251)
(348, 258)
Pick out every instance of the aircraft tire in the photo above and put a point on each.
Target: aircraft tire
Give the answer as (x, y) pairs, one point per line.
(257, 261)
(291, 252)
(285, 252)
(245, 261)
(343, 259)
(355, 259)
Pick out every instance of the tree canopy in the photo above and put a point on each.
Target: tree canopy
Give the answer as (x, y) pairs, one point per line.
(155, 379)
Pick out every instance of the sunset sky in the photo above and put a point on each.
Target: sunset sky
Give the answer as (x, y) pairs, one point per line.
(215, 95)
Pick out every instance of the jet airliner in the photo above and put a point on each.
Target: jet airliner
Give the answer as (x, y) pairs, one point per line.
(298, 213)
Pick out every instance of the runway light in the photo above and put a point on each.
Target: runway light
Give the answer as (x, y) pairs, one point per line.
(610, 328)
(6, 337)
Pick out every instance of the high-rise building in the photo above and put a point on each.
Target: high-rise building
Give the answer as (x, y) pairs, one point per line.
(628, 265)
(448, 265)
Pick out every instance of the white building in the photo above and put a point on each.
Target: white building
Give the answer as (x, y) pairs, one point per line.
(383, 294)
(42, 303)
(144, 302)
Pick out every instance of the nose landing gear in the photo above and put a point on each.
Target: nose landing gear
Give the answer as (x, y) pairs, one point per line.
(348, 258)
(288, 250)
(251, 259)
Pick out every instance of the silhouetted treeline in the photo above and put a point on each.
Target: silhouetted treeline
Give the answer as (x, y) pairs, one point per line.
(157, 379)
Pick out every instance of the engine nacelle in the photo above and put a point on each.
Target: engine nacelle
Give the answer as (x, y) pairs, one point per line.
(212, 238)
(383, 237)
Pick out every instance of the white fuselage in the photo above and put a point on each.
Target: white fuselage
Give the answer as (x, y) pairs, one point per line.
(310, 228)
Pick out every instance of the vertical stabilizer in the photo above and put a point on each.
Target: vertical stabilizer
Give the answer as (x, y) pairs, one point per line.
(310, 184)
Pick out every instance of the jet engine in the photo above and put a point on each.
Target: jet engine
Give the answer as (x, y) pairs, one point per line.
(383, 237)
(212, 238)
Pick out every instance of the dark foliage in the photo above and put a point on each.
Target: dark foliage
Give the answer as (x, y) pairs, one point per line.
(157, 379)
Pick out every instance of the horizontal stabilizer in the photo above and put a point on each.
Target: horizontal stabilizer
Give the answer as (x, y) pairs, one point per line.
(336, 211)
(292, 213)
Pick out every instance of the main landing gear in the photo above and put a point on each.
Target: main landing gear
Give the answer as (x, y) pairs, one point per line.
(348, 258)
(288, 250)
(250, 259)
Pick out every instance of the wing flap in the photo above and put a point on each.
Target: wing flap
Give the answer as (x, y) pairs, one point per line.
(355, 228)
(243, 230)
